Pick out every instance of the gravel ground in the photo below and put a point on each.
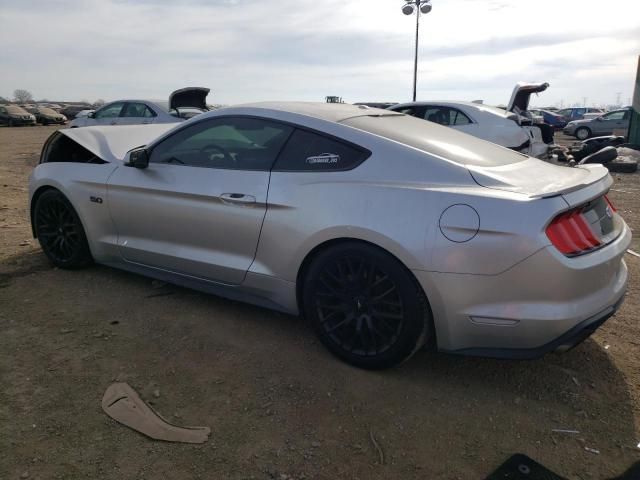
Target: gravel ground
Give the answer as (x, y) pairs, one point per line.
(278, 404)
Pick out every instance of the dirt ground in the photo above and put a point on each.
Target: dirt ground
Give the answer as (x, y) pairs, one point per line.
(279, 406)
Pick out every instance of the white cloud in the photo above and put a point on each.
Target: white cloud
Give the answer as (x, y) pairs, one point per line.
(305, 49)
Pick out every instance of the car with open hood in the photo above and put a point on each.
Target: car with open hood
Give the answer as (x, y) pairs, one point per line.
(13, 115)
(387, 232)
(605, 124)
(47, 116)
(181, 105)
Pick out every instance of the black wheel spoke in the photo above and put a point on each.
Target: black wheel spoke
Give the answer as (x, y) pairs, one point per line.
(59, 230)
(358, 305)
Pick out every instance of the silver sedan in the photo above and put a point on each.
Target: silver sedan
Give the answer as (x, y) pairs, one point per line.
(388, 233)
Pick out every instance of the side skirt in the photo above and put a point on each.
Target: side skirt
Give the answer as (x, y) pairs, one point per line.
(261, 290)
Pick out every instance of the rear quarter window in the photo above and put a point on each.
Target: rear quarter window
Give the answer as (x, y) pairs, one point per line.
(307, 151)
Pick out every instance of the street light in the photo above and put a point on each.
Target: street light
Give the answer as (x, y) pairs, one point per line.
(417, 6)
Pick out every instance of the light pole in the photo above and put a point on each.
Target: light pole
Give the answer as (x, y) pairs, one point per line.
(417, 6)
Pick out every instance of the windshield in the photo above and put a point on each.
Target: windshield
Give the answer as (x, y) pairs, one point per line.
(436, 139)
(16, 109)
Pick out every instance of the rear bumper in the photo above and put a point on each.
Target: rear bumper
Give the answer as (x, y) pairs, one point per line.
(546, 302)
(563, 343)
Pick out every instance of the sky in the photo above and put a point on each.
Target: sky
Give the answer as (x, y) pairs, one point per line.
(361, 50)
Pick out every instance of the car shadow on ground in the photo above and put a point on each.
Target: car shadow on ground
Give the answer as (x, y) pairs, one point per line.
(263, 382)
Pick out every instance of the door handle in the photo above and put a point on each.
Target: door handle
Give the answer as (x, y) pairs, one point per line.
(237, 198)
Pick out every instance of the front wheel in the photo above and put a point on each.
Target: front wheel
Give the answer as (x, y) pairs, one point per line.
(365, 306)
(583, 133)
(59, 231)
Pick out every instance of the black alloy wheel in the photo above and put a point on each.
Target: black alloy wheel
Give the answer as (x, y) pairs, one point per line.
(60, 231)
(365, 306)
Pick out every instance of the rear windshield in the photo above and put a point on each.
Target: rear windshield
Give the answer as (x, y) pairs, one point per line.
(436, 139)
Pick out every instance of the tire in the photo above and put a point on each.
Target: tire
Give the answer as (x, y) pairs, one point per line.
(60, 232)
(582, 133)
(622, 166)
(365, 306)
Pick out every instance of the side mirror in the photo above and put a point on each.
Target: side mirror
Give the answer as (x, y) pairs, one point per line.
(91, 114)
(138, 158)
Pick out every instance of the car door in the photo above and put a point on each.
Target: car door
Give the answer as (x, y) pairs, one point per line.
(607, 123)
(136, 113)
(107, 115)
(4, 118)
(198, 208)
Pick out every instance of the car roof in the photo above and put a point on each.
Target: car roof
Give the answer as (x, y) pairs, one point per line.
(333, 112)
(457, 104)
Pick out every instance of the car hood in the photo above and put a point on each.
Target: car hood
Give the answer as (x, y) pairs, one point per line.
(111, 143)
(536, 178)
(189, 97)
(522, 93)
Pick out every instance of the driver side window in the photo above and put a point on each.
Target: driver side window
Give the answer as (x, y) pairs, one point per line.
(236, 143)
(614, 115)
(110, 111)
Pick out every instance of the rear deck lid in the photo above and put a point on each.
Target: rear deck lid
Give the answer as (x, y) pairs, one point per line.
(195, 97)
(538, 179)
(522, 94)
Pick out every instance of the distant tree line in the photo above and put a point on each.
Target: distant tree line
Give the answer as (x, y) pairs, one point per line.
(20, 95)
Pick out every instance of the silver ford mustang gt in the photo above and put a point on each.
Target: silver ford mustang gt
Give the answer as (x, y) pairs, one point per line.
(388, 233)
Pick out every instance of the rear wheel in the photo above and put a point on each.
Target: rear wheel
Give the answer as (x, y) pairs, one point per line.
(583, 133)
(60, 231)
(365, 307)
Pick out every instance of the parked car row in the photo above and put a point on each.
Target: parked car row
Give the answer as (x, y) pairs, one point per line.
(15, 115)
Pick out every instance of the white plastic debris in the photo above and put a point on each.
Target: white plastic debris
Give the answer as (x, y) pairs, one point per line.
(592, 450)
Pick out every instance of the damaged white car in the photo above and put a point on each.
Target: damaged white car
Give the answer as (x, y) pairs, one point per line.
(182, 105)
(513, 128)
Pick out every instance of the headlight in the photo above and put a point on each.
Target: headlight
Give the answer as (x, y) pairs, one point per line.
(32, 117)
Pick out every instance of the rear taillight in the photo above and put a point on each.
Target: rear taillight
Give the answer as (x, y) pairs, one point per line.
(571, 234)
(610, 204)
